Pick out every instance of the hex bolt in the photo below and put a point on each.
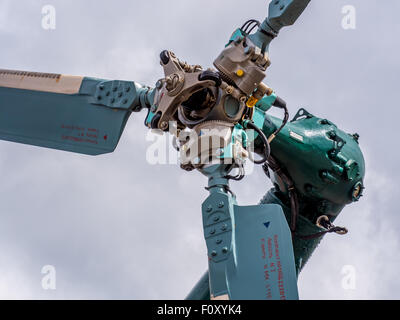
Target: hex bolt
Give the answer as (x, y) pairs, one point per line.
(209, 208)
(214, 253)
(212, 231)
(224, 250)
(218, 241)
(216, 218)
(164, 125)
(221, 204)
(224, 227)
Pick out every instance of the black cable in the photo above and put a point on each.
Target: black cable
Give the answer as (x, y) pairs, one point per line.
(239, 176)
(267, 149)
(280, 103)
(256, 25)
(246, 24)
(294, 202)
(252, 23)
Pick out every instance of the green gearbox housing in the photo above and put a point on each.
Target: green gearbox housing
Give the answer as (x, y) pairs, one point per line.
(325, 164)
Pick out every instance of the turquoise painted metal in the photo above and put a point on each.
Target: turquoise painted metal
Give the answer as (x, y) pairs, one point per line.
(249, 247)
(329, 166)
(89, 122)
(281, 13)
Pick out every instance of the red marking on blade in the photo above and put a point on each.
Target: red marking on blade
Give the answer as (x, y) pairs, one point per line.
(105, 137)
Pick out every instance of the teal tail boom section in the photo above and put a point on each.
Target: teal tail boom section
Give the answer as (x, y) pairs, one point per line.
(77, 114)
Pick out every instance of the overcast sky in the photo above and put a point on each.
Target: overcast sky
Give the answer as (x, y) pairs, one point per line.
(115, 226)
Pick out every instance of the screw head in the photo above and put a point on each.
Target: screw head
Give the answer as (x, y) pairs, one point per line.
(214, 253)
(221, 204)
(224, 250)
(164, 125)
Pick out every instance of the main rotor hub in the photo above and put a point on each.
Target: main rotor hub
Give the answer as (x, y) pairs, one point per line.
(190, 95)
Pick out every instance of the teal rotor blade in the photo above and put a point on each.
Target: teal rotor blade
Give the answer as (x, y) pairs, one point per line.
(250, 252)
(281, 13)
(265, 267)
(77, 114)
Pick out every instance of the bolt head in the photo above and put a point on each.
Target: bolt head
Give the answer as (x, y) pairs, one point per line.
(164, 125)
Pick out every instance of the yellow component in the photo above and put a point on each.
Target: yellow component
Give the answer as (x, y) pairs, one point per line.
(240, 73)
(251, 102)
(271, 137)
